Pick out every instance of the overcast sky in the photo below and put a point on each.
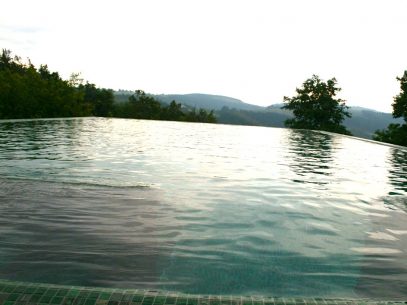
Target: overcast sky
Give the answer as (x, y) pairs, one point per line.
(253, 50)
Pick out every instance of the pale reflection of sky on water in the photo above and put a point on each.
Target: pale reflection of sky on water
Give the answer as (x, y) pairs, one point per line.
(202, 208)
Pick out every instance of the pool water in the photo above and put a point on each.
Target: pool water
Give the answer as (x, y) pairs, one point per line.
(202, 208)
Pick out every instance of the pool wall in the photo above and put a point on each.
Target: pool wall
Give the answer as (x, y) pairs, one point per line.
(21, 293)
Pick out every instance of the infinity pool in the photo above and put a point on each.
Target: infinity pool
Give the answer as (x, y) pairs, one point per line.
(202, 209)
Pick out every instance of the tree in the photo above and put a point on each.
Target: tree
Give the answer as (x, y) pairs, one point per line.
(396, 133)
(144, 106)
(173, 112)
(100, 100)
(400, 101)
(27, 92)
(315, 107)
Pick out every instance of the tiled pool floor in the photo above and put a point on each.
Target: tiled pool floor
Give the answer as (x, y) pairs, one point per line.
(19, 293)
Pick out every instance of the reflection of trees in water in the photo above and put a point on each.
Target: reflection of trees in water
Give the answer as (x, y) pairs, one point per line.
(33, 136)
(398, 178)
(311, 155)
(387, 232)
(398, 171)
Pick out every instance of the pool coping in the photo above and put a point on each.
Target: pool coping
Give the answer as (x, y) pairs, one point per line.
(26, 293)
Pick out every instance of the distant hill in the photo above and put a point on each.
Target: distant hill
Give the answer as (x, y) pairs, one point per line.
(247, 117)
(194, 100)
(121, 96)
(364, 121)
(207, 101)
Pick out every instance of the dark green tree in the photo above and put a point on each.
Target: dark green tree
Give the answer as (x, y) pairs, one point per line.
(144, 106)
(400, 101)
(173, 112)
(200, 115)
(396, 133)
(26, 92)
(101, 100)
(315, 107)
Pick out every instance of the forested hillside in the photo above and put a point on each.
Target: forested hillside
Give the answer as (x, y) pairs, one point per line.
(28, 92)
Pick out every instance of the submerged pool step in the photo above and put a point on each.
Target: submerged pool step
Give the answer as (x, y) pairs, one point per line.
(21, 293)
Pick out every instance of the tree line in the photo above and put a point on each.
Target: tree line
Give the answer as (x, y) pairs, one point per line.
(143, 106)
(28, 92)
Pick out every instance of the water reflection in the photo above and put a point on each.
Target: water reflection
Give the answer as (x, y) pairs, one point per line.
(90, 235)
(311, 155)
(398, 171)
(397, 176)
(384, 262)
(228, 209)
(37, 139)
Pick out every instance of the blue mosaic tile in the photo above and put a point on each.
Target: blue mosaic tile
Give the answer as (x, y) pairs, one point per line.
(16, 293)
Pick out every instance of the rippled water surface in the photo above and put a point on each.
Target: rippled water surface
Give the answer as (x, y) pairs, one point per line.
(203, 209)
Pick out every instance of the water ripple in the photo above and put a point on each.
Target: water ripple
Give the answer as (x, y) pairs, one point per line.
(201, 208)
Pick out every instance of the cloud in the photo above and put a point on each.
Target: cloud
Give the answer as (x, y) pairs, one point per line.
(18, 37)
(21, 29)
(257, 51)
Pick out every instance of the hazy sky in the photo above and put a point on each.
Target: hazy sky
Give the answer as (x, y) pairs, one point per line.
(253, 50)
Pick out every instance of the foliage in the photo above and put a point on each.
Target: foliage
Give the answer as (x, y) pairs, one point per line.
(27, 92)
(101, 99)
(315, 107)
(143, 106)
(173, 112)
(400, 101)
(396, 133)
(200, 115)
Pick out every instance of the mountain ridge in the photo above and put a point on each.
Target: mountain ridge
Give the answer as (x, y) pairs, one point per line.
(207, 101)
(363, 123)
